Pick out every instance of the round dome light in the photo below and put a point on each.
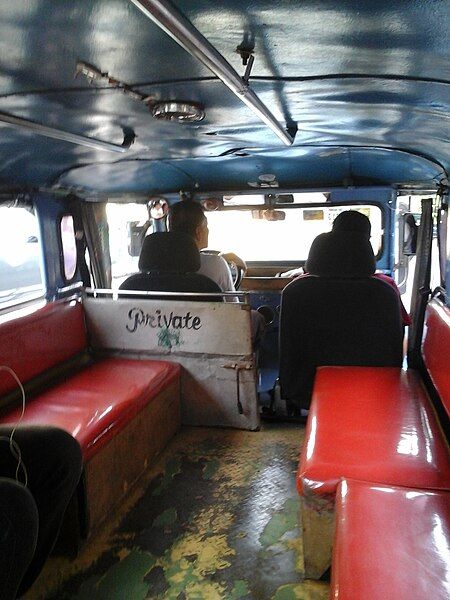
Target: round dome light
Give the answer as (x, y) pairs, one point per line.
(181, 112)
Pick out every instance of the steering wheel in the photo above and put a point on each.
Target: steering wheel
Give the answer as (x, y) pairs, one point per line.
(237, 266)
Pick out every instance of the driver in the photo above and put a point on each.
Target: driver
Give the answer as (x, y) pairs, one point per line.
(188, 216)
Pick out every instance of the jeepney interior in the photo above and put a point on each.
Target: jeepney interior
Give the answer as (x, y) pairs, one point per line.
(275, 117)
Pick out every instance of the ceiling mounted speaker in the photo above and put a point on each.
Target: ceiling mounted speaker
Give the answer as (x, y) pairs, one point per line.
(180, 112)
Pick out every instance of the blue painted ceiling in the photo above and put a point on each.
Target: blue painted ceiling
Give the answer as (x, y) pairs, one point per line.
(367, 84)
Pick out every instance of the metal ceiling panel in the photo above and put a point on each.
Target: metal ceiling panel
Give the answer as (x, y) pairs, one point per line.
(350, 74)
(314, 167)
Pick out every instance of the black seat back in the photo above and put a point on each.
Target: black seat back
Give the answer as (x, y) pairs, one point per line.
(168, 263)
(328, 319)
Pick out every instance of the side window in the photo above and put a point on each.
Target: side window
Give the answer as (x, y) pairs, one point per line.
(128, 224)
(21, 278)
(69, 247)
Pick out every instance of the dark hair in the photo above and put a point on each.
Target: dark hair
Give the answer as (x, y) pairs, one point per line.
(352, 220)
(186, 216)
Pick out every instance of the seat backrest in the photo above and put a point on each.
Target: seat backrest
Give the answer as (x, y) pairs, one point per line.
(333, 320)
(168, 263)
(40, 339)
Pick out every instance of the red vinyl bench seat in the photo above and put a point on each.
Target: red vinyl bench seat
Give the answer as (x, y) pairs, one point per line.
(374, 424)
(390, 542)
(96, 403)
(121, 411)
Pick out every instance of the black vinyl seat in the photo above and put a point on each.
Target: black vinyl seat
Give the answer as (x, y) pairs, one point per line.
(168, 263)
(336, 315)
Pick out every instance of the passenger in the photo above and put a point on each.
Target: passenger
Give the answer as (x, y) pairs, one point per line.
(357, 223)
(32, 509)
(336, 314)
(188, 216)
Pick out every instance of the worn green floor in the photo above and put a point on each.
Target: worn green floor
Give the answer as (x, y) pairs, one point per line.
(218, 520)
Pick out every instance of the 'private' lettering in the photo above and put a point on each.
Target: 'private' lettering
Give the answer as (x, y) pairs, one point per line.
(138, 318)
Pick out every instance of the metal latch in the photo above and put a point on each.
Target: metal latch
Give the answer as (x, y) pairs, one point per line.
(238, 367)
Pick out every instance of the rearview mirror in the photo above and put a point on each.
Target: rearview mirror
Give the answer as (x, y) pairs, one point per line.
(269, 214)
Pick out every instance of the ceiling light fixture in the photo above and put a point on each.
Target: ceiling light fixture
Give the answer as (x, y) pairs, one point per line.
(181, 112)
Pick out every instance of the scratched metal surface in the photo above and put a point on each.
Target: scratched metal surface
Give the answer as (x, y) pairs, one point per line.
(219, 520)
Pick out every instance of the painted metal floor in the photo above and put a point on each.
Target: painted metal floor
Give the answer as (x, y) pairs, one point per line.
(217, 520)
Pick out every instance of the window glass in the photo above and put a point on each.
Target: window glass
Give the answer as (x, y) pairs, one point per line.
(69, 247)
(128, 224)
(20, 256)
(285, 237)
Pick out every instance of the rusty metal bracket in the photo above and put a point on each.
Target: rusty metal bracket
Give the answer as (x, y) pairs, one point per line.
(238, 367)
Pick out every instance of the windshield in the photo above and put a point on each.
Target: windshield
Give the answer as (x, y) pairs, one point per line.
(258, 240)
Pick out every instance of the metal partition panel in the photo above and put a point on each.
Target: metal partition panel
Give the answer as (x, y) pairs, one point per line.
(211, 340)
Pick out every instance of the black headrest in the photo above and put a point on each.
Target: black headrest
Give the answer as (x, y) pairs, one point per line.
(341, 254)
(171, 251)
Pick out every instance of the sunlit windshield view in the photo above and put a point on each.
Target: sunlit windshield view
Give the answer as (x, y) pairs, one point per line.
(249, 234)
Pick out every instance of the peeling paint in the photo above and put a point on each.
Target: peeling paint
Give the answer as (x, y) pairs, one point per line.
(219, 521)
(240, 590)
(168, 517)
(173, 468)
(284, 520)
(309, 590)
(211, 469)
(123, 580)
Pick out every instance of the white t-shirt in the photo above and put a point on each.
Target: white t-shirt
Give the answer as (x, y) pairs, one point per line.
(216, 268)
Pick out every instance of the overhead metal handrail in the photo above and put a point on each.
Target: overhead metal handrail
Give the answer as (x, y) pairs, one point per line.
(175, 24)
(66, 136)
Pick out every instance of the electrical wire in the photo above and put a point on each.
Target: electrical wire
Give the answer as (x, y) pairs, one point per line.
(13, 446)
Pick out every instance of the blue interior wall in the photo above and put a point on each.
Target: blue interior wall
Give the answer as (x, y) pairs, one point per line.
(50, 209)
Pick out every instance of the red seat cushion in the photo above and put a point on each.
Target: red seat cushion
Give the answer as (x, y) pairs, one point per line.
(97, 402)
(390, 542)
(374, 424)
(436, 349)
